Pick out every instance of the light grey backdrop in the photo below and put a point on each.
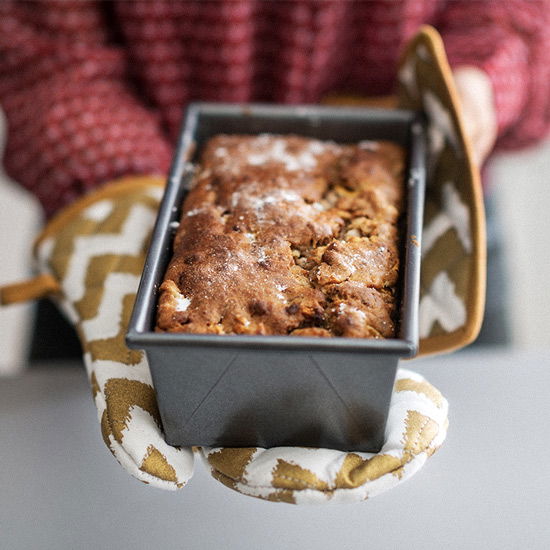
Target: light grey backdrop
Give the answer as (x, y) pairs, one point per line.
(487, 488)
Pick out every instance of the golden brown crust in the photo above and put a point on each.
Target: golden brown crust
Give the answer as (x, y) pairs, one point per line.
(287, 235)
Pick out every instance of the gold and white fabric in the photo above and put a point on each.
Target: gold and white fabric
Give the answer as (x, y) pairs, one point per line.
(452, 296)
(90, 259)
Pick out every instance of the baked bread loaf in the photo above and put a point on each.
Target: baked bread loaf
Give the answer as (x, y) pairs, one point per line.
(288, 235)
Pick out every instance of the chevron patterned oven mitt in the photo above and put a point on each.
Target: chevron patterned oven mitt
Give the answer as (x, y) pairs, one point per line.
(90, 259)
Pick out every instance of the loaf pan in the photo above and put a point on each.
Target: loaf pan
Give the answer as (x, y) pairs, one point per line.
(266, 391)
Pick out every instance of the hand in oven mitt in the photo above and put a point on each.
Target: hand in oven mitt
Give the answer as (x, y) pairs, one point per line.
(91, 255)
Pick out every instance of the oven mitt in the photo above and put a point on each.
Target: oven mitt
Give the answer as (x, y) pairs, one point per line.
(452, 296)
(90, 258)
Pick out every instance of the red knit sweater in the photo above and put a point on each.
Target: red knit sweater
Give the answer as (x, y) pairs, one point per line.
(95, 90)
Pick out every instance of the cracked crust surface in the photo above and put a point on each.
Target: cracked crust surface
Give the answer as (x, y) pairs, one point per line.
(287, 235)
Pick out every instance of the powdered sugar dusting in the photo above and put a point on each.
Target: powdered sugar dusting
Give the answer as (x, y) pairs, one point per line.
(348, 263)
(277, 151)
(361, 314)
(369, 145)
(262, 256)
(281, 289)
(181, 303)
(346, 309)
(259, 202)
(193, 212)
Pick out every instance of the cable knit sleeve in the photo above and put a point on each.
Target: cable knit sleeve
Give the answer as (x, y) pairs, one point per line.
(510, 41)
(73, 120)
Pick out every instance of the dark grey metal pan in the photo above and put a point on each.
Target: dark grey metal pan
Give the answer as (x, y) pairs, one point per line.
(242, 391)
